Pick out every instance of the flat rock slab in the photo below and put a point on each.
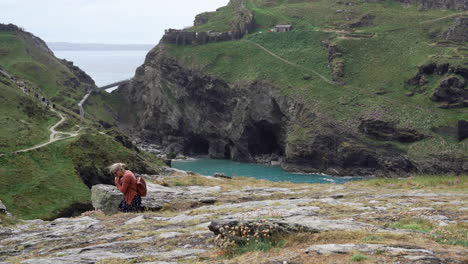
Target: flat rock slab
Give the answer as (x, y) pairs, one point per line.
(367, 248)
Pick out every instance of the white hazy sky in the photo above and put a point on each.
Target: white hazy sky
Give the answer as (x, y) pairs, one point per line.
(103, 21)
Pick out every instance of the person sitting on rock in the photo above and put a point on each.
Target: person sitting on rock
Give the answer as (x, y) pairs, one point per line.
(126, 182)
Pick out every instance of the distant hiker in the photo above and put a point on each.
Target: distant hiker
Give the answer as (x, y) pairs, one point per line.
(43, 99)
(53, 106)
(126, 182)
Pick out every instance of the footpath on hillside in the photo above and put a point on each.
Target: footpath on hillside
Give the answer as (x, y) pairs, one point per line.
(289, 62)
(54, 134)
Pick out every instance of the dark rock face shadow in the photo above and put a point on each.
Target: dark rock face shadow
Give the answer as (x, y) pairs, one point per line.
(73, 210)
(264, 138)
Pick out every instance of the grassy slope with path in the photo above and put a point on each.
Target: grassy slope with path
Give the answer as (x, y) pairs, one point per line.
(42, 182)
(401, 42)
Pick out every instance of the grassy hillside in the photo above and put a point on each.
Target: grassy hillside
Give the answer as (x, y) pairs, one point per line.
(382, 44)
(22, 56)
(53, 180)
(24, 121)
(44, 182)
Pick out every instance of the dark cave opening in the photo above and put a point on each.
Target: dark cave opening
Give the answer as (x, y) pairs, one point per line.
(264, 138)
(197, 146)
(227, 151)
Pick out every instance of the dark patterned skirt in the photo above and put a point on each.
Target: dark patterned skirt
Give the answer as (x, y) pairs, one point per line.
(135, 207)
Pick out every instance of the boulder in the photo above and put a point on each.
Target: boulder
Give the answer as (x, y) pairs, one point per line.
(452, 91)
(106, 198)
(3, 209)
(221, 175)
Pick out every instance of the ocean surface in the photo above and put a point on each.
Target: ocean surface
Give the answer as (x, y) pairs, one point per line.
(105, 67)
(206, 166)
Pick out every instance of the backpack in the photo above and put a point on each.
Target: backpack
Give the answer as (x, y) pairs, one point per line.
(141, 186)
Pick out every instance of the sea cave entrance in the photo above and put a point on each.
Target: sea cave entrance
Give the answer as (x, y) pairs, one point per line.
(264, 138)
(197, 145)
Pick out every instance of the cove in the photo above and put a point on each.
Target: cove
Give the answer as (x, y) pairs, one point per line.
(207, 166)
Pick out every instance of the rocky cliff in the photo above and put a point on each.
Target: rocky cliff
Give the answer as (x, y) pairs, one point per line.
(263, 98)
(241, 22)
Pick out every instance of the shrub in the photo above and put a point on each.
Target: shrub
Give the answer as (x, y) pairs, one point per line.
(358, 257)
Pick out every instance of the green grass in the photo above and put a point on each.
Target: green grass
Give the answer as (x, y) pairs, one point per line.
(218, 21)
(24, 121)
(359, 257)
(454, 234)
(262, 245)
(43, 182)
(402, 41)
(103, 106)
(40, 183)
(414, 224)
(456, 183)
(46, 75)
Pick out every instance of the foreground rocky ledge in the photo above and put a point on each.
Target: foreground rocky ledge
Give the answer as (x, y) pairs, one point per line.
(317, 224)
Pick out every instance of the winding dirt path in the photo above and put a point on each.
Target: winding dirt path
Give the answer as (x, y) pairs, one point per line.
(80, 104)
(289, 62)
(54, 135)
(445, 17)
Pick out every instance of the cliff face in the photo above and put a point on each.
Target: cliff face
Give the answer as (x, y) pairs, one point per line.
(188, 112)
(263, 99)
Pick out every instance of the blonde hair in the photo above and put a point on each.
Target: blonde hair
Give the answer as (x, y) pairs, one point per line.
(116, 167)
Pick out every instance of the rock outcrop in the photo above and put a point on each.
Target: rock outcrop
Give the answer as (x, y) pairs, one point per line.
(3, 209)
(326, 221)
(452, 91)
(458, 32)
(107, 197)
(382, 130)
(242, 23)
(335, 62)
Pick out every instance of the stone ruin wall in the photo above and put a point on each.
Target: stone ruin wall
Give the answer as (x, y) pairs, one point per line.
(242, 24)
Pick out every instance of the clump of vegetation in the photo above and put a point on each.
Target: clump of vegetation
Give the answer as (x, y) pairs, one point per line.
(455, 234)
(242, 238)
(415, 224)
(359, 257)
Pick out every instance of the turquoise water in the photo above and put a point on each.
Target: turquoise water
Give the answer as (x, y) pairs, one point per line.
(272, 173)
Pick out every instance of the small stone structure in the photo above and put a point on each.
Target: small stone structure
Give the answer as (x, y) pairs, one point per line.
(282, 28)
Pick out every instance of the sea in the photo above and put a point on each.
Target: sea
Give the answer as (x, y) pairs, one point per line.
(105, 66)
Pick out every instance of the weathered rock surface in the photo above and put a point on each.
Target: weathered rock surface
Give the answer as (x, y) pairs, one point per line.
(382, 130)
(107, 197)
(458, 32)
(242, 23)
(453, 92)
(180, 236)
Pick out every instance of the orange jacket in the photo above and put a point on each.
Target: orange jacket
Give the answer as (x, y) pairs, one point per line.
(127, 185)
